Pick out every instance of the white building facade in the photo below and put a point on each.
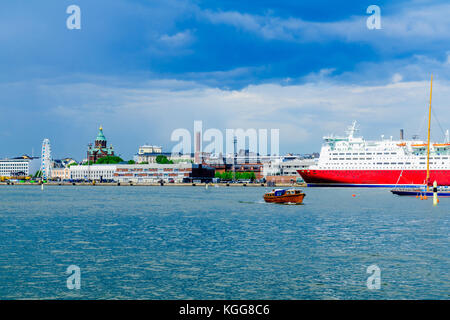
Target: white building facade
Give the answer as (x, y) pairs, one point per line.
(287, 167)
(152, 173)
(19, 167)
(136, 173)
(93, 172)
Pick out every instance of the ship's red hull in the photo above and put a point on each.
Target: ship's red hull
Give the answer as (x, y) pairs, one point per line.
(375, 178)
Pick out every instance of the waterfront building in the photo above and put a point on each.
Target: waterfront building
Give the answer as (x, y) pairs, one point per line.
(153, 173)
(60, 168)
(20, 166)
(100, 148)
(148, 153)
(97, 172)
(143, 173)
(243, 157)
(290, 168)
(181, 158)
(263, 166)
(62, 163)
(256, 168)
(60, 173)
(149, 149)
(241, 162)
(68, 161)
(284, 169)
(287, 166)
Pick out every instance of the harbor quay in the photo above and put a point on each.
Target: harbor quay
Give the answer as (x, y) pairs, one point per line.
(143, 173)
(279, 172)
(194, 183)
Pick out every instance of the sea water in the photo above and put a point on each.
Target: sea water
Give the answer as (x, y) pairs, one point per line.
(220, 243)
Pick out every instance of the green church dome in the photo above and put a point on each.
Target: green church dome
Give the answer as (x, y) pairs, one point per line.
(100, 136)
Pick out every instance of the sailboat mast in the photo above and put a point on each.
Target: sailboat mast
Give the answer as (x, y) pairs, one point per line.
(429, 132)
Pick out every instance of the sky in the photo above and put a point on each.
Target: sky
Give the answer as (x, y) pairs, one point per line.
(143, 68)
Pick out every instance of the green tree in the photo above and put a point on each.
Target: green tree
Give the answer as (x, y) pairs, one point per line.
(131, 162)
(109, 160)
(228, 175)
(161, 159)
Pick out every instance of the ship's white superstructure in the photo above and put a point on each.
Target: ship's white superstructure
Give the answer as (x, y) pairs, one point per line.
(355, 153)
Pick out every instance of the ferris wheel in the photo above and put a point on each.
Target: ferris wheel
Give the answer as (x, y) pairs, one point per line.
(46, 159)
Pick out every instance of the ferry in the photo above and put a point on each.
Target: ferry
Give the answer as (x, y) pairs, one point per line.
(351, 161)
(284, 196)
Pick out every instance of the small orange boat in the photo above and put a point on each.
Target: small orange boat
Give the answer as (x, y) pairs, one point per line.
(284, 196)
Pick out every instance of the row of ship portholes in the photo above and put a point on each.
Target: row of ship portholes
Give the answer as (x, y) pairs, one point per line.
(380, 168)
(384, 159)
(377, 164)
(369, 154)
(345, 171)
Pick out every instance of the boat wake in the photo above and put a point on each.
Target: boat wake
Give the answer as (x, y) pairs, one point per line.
(268, 203)
(252, 202)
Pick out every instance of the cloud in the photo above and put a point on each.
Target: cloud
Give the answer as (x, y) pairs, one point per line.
(241, 20)
(226, 79)
(174, 45)
(397, 77)
(408, 27)
(269, 27)
(177, 40)
(447, 62)
(117, 37)
(188, 40)
(414, 68)
(132, 115)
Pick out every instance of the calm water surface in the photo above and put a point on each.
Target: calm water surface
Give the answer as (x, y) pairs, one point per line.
(220, 243)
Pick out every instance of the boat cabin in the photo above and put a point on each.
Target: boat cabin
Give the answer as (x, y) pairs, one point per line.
(283, 192)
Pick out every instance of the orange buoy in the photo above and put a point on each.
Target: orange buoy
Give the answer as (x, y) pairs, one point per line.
(417, 196)
(353, 195)
(425, 197)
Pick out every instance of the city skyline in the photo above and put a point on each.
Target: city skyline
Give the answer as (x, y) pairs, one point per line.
(144, 68)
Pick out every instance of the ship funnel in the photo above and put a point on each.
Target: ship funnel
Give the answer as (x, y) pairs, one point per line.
(401, 134)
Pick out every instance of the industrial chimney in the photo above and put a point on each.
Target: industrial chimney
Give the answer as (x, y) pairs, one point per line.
(401, 134)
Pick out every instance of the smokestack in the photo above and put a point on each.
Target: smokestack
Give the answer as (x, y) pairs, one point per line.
(197, 155)
(401, 134)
